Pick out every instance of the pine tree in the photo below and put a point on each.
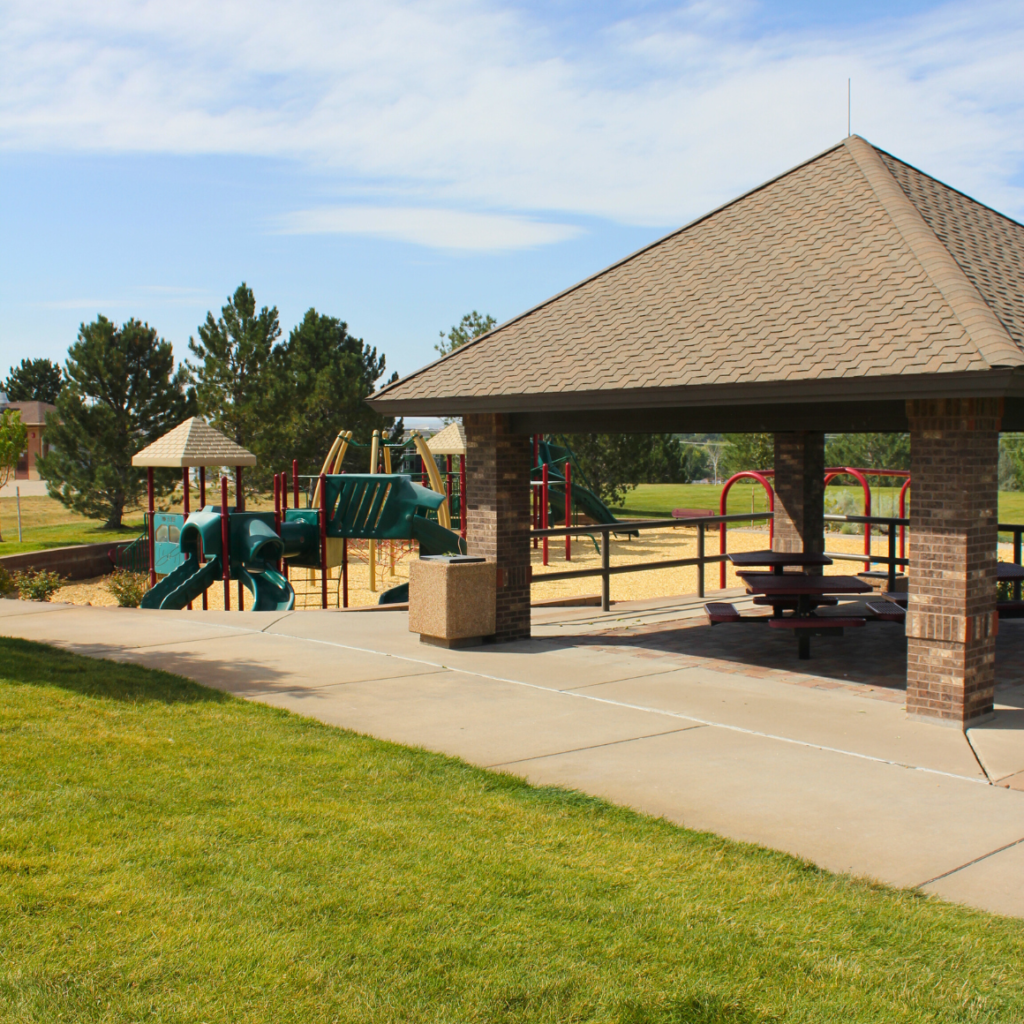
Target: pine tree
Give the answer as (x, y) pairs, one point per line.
(121, 394)
(234, 377)
(322, 376)
(34, 380)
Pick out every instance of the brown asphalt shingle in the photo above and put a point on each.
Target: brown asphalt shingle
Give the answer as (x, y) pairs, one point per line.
(851, 265)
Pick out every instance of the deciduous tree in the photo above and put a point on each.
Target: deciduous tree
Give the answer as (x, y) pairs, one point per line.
(13, 441)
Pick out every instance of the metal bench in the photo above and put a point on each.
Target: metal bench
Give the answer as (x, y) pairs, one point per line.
(718, 613)
(1010, 609)
(887, 612)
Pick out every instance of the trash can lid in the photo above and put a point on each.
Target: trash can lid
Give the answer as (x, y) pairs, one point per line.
(452, 558)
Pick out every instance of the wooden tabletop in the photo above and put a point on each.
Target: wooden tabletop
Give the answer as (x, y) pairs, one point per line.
(779, 558)
(796, 584)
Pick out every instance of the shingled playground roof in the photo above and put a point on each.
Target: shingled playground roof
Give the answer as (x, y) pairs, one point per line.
(853, 277)
(194, 443)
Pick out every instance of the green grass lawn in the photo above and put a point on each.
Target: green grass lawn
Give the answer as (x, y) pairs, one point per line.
(173, 854)
(46, 523)
(660, 499)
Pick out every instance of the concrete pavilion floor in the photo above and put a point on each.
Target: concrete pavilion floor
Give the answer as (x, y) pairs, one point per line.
(722, 730)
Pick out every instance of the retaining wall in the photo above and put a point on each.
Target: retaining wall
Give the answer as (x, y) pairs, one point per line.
(79, 562)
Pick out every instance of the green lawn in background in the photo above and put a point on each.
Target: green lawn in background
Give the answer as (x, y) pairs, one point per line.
(46, 523)
(171, 853)
(660, 499)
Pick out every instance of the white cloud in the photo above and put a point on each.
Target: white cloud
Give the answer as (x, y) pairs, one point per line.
(436, 228)
(467, 104)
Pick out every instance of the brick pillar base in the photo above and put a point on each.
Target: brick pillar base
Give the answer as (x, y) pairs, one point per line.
(498, 515)
(951, 616)
(800, 492)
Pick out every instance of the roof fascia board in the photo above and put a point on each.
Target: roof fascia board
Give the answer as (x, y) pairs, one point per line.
(980, 322)
(606, 270)
(990, 383)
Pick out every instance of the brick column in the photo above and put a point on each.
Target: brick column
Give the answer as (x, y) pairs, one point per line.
(951, 617)
(800, 491)
(498, 515)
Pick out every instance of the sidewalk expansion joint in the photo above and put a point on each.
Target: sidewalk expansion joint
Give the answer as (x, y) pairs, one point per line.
(977, 756)
(595, 746)
(624, 679)
(977, 860)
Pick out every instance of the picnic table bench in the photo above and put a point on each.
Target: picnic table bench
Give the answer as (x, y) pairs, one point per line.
(799, 593)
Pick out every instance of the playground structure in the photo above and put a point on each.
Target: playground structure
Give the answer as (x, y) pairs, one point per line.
(556, 495)
(259, 550)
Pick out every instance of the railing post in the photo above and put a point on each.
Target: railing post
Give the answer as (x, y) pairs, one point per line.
(544, 509)
(323, 540)
(700, 555)
(295, 481)
(568, 511)
(1016, 561)
(278, 487)
(462, 496)
(344, 572)
(892, 557)
(225, 543)
(284, 508)
(606, 580)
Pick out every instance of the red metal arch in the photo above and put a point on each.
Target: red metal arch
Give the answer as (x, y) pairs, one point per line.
(763, 480)
(830, 474)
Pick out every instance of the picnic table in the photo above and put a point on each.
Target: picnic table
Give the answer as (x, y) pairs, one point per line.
(809, 591)
(778, 560)
(799, 593)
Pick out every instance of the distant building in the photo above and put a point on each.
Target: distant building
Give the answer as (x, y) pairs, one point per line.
(33, 415)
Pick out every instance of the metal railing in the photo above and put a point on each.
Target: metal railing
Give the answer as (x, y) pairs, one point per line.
(890, 560)
(607, 570)
(1016, 529)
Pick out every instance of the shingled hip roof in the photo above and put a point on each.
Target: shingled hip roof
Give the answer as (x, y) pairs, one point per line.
(194, 443)
(852, 275)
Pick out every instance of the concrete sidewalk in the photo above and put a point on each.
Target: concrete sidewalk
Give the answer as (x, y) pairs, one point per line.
(813, 769)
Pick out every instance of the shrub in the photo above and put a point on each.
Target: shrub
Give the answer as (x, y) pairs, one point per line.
(6, 583)
(37, 586)
(128, 587)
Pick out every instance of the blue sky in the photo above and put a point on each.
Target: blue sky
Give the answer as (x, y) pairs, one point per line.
(399, 163)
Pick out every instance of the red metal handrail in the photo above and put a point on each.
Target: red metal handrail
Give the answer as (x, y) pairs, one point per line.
(763, 480)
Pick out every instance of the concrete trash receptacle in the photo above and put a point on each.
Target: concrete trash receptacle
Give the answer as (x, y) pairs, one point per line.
(452, 599)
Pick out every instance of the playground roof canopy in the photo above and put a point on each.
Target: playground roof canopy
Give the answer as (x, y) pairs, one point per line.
(821, 300)
(450, 440)
(194, 443)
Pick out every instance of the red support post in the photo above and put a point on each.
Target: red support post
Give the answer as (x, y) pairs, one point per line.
(533, 490)
(344, 573)
(568, 511)
(284, 508)
(202, 504)
(152, 528)
(903, 515)
(185, 502)
(239, 507)
(295, 481)
(323, 540)
(544, 508)
(225, 542)
(278, 488)
(462, 496)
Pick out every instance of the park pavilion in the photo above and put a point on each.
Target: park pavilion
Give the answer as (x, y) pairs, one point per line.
(852, 293)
